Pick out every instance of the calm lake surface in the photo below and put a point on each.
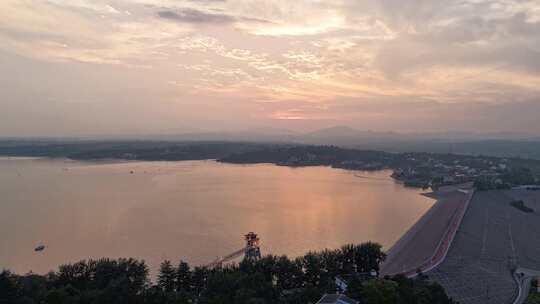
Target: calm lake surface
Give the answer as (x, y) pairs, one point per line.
(194, 210)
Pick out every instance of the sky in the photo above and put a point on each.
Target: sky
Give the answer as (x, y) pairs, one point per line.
(103, 67)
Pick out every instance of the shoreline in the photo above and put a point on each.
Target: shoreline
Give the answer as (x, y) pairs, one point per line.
(109, 160)
(402, 241)
(425, 244)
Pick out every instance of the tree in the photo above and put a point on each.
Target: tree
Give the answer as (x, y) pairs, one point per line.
(368, 256)
(312, 268)
(347, 258)
(184, 280)
(199, 279)
(167, 276)
(266, 266)
(355, 288)
(34, 286)
(330, 262)
(8, 288)
(271, 279)
(380, 291)
(288, 273)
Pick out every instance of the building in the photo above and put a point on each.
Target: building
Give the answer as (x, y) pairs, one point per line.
(343, 281)
(336, 299)
(341, 284)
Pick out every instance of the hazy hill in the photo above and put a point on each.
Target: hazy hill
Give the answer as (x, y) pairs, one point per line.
(490, 144)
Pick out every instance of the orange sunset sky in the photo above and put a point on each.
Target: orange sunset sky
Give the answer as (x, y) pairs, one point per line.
(83, 67)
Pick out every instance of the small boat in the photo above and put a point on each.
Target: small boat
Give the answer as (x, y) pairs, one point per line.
(39, 248)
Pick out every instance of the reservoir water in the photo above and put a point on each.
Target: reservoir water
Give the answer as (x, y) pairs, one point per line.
(191, 210)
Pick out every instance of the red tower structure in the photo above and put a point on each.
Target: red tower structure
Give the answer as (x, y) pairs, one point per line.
(252, 251)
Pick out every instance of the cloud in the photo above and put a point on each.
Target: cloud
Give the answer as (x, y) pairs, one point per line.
(96, 6)
(511, 42)
(297, 55)
(415, 115)
(189, 15)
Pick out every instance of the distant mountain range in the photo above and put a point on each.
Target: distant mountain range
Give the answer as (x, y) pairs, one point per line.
(338, 135)
(503, 144)
(348, 134)
(494, 144)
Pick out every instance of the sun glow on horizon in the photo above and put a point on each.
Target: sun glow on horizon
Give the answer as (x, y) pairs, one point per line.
(227, 64)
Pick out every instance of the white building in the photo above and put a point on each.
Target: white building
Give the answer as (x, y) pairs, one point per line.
(336, 299)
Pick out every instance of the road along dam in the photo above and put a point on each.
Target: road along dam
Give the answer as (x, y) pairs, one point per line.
(493, 240)
(426, 243)
(474, 244)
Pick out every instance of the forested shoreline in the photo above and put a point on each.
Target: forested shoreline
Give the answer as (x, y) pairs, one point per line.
(414, 169)
(272, 279)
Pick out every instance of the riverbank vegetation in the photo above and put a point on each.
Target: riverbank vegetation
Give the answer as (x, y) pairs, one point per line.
(272, 279)
(534, 294)
(413, 169)
(125, 150)
(416, 169)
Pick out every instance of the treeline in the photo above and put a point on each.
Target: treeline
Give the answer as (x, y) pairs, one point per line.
(416, 169)
(309, 155)
(534, 293)
(272, 279)
(510, 178)
(426, 166)
(127, 150)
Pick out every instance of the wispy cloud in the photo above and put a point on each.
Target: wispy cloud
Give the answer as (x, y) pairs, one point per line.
(291, 56)
(189, 15)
